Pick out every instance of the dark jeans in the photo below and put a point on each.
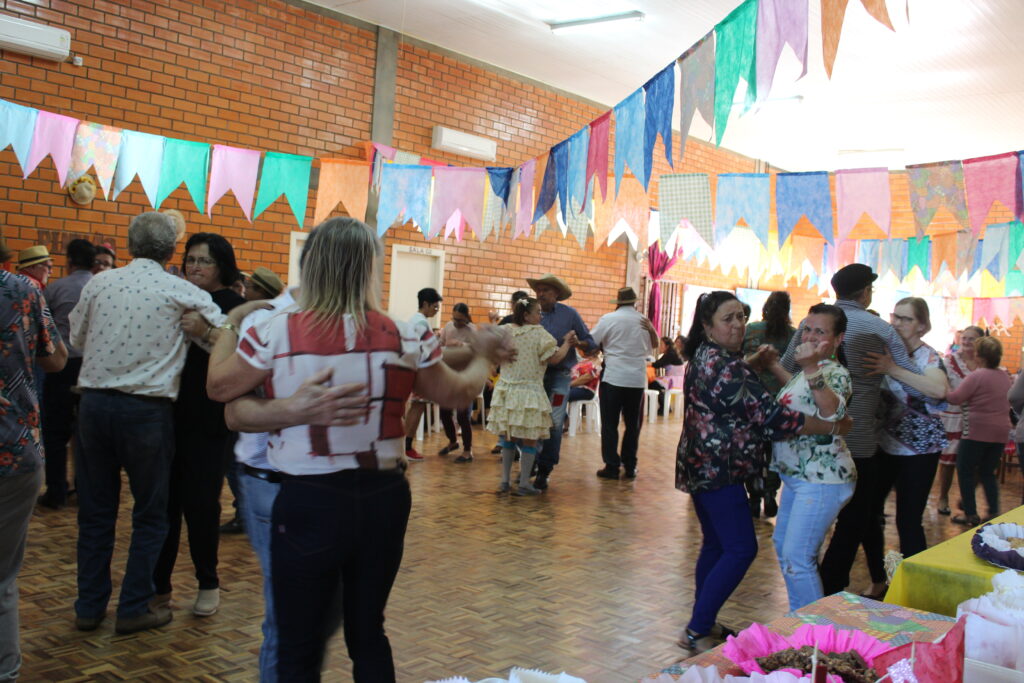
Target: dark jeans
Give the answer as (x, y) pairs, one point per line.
(912, 476)
(627, 402)
(465, 425)
(580, 394)
(136, 433)
(556, 386)
(729, 548)
(59, 405)
(851, 527)
(978, 460)
(197, 477)
(343, 531)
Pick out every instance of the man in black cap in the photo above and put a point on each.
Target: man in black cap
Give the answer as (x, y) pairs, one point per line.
(865, 333)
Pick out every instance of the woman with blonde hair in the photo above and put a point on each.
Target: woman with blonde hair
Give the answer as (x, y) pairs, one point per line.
(339, 520)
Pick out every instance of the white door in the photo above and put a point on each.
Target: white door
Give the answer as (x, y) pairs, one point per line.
(412, 269)
(296, 241)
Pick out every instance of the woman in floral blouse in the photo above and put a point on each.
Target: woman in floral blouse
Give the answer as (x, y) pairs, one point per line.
(818, 473)
(728, 414)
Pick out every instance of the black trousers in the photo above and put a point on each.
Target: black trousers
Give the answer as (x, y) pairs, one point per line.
(978, 461)
(59, 426)
(912, 477)
(465, 425)
(851, 527)
(197, 477)
(342, 532)
(627, 403)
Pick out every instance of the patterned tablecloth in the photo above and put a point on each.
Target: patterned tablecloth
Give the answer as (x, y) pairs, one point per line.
(889, 623)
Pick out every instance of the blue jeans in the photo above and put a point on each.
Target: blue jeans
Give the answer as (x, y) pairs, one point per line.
(17, 498)
(556, 385)
(580, 394)
(806, 513)
(729, 548)
(135, 433)
(257, 506)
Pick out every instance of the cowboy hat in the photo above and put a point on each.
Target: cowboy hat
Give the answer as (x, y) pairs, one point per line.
(83, 190)
(179, 222)
(626, 296)
(265, 279)
(32, 256)
(551, 281)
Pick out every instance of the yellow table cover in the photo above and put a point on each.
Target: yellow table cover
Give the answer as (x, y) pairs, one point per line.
(940, 578)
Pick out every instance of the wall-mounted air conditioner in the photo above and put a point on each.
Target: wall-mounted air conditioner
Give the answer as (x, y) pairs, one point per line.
(30, 38)
(449, 140)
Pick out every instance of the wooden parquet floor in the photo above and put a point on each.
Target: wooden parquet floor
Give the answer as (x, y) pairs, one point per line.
(594, 578)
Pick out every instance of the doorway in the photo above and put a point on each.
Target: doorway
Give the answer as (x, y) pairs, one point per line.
(412, 269)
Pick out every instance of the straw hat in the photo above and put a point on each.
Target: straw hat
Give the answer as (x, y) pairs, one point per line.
(626, 296)
(83, 190)
(267, 281)
(179, 222)
(564, 292)
(32, 256)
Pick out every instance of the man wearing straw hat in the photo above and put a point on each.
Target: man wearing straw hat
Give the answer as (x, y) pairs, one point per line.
(559, 320)
(35, 264)
(627, 338)
(263, 284)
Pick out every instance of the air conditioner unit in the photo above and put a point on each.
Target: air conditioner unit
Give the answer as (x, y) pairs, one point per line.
(30, 38)
(449, 140)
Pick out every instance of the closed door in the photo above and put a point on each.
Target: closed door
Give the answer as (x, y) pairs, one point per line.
(412, 269)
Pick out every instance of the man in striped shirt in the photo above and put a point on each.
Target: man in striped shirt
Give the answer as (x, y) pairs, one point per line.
(865, 333)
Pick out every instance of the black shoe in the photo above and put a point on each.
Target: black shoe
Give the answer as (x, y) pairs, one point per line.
(235, 526)
(629, 473)
(608, 472)
(496, 450)
(771, 508)
(755, 507)
(52, 502)
(541, 480)
(89, 623)
(149, 619)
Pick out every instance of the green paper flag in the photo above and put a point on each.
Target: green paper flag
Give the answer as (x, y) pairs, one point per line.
(919, 253)
(288, 175)
(1015, 275)
(735, 57)
(184, 162)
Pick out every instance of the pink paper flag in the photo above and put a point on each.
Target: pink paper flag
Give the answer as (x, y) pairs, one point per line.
(988, 179)
(97, 146)
(457, 189)
(55, 136)
(525, 214)
(235, 169)
(342, 180)
(597, 153)
(860, 191)
(990, 310)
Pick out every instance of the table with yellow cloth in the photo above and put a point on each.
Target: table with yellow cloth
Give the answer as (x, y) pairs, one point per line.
(940, 578)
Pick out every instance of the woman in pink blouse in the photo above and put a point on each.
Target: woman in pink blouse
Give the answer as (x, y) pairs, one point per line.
(987, 428)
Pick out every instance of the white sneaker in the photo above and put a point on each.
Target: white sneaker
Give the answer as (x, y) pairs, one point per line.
(207, 602)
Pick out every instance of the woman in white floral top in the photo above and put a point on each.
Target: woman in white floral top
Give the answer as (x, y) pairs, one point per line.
(818, 474)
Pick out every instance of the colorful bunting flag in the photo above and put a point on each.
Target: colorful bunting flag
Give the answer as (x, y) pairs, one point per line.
(989, 179)
(735, 39)
(696, 86)
(97, 146)
(17, 123)
(524, 216)
(803, 194)
(660, 99)
(629, 137)
(344, 181)
(404, 191)
(141, 154)
(779, 22)
(1015, 272)
(555, 183)
(186, 162)
(494, 209)
(685, 196)
(577, 168)
(235, 169)
(287, 174)
(860, 191)
(833, 13)
(995, 249)
(54, 136)
(579, 222)
(500, 179)
(944, 254)
(919, 254)
(966, 253)
(633, 208)
(810, 250)
(597, 152)
(867, 253)
(935, 185)
(746, 196)
(462, 190)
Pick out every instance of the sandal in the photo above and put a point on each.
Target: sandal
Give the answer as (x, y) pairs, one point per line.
(967, 520)
(449, 448)
(695, 644)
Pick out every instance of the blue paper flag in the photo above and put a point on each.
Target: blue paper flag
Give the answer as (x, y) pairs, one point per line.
(867, 253)
(660, 100)
(579, 144)
(803, 194)
(629, 138)
(746, 196)
(405, 190)
(976, 262)
(500, 179)
(17, 123)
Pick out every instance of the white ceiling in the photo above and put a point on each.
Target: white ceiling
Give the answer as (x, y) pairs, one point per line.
(947, 85)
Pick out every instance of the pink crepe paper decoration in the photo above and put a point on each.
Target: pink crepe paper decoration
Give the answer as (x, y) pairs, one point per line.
(457, 190)
(658, 263)
(54, 135)
(936, 662)
(860, 191)
(235, 169)
(986, 180)
(597, 153)
(525, 213)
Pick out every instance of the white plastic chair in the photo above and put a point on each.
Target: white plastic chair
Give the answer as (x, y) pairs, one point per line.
(576, 416)
(673, 402)
(651, 399)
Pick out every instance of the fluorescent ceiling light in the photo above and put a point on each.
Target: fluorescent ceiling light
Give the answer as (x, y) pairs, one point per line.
(563, 26)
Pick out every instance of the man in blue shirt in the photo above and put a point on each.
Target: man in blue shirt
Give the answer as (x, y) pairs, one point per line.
(558, 319)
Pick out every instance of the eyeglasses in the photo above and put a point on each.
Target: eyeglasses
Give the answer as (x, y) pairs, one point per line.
(204, 261)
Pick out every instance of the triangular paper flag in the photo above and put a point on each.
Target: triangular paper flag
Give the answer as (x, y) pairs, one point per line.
(524, 215)
(235, 169)
(989, 179)
(54, 136)
(17, 123)
(344, 181)
(833, 13)
(405, 191)
(597, 152)
(462, 190)
(686, 196)
(860, 191)
(995, 256)
(779, 22)
(803, 194)
(935, 185)
(696, 86)
(629, 137)
(746, 196)
(141, 154)
(735, 40)
(184, 162)
(288, 175)
(579, 145)
(659, 101)
(96, 146)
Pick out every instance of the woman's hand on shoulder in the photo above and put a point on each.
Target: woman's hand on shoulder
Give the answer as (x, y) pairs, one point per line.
(879, 363)
(237, 314)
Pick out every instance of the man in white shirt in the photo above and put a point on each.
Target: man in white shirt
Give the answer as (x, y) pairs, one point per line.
(429, 303)
(627, 339)
(129, 326)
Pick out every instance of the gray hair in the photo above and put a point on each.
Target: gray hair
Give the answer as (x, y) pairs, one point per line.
(152, 235)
